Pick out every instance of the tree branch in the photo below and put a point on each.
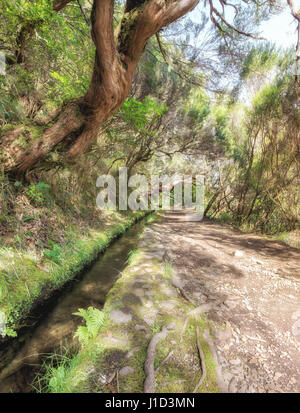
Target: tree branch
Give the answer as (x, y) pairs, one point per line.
(102, 31)
(60, 4)
(296, 15)
(105, 70)
(214, 12)
(162, 51)
(293, 10)
(150, 19)
(83, 12)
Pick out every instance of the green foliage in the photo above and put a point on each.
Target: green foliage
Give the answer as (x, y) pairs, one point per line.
(17, 184)
(156, 327)
(268, 100)
(38, 193)
(220, 113)
(27, 281)
(20, 11)
(57, 377)
(139, 113)
(133, 254)
(55, 47)
(53, 374)
(95, 319)
(4, 283)
(67, 87)
(224, 217)
(55, 253)
(259, 60)
(10, 109)
(197, 106)
(151, 218)
(259, 190)
(28, 219)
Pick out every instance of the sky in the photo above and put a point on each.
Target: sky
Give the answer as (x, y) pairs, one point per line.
(280, 29)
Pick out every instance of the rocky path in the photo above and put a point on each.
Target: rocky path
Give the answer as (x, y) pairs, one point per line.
(252, 287)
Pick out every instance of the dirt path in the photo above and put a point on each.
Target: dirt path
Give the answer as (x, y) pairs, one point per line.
(253, 285)
(248, 288)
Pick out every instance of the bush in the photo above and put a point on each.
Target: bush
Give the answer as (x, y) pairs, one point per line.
(38, 193)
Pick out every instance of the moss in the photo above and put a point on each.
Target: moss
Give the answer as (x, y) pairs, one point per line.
(31, 133)
(28, 283)
(37, 132)
(128, 22)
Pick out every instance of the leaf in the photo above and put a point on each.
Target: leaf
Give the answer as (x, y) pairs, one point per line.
(94, 319)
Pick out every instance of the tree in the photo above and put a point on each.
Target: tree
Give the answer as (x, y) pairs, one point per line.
(259, 187)
(117, 54)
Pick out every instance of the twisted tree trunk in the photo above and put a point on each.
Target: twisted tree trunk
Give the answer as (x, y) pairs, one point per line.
(117, 55)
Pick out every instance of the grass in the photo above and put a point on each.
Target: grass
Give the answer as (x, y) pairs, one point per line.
(291, 238)
(152, 218)
(55, 374)
(168, 270)
(24, 280)
(132, 256)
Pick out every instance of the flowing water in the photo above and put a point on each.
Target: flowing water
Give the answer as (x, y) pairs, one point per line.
(56, 329)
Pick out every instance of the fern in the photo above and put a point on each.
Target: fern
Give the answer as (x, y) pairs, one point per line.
(94, 319)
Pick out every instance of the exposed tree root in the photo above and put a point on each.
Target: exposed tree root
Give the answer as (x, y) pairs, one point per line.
(202, 361)
(203, 308)
(164, 361)
(184, 294)
(118, 387)
(149, 363)
(111, 377)
(184, 327)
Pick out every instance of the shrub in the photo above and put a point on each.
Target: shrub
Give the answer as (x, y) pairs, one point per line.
(38, 193)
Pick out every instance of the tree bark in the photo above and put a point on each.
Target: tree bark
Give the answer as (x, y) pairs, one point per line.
(116, 58)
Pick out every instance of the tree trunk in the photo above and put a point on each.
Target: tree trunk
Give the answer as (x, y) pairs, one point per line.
(117, 55)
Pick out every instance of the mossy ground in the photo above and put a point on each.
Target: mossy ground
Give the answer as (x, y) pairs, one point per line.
(31, 279)
(50, 230)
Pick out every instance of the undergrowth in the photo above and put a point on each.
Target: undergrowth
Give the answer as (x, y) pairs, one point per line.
(50, 229)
